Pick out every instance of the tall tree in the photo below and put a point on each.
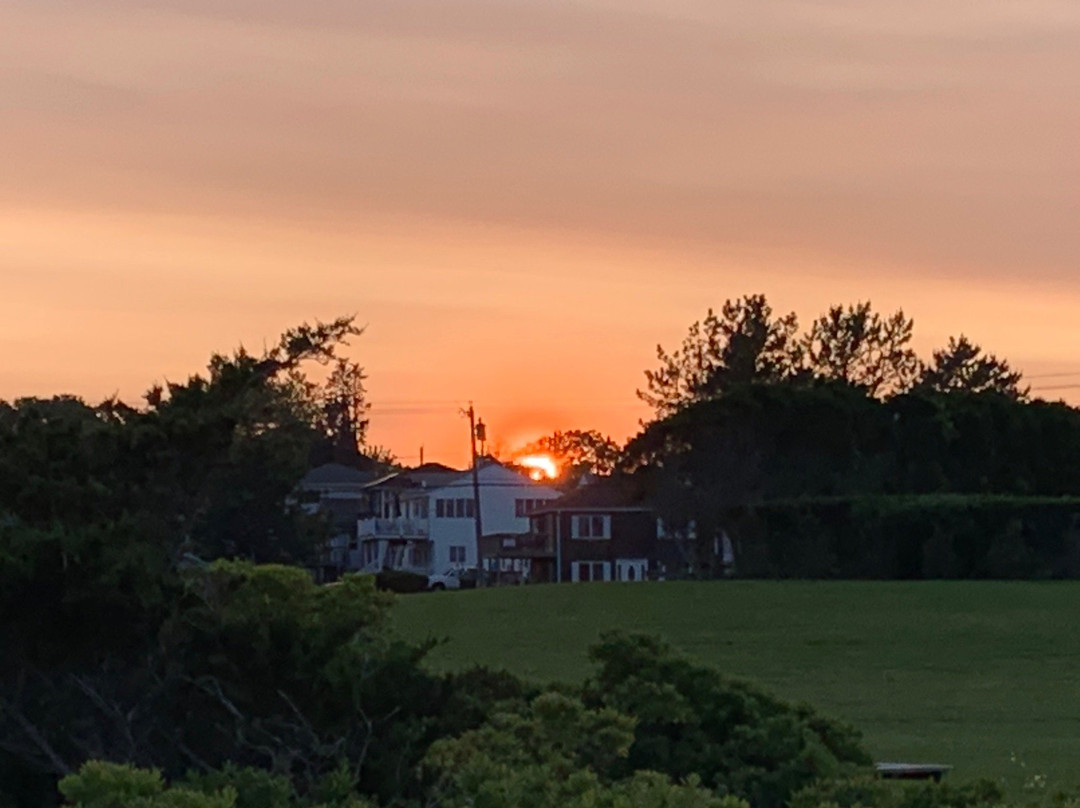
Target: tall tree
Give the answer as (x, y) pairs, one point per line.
(745, 343)
(344, 410)
(963, 367)
(858, 346)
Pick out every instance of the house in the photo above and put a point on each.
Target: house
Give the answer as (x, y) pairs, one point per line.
(339, 492)
(424, 520)
(607, 530)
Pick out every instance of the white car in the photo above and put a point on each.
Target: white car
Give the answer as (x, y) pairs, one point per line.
(451, 579)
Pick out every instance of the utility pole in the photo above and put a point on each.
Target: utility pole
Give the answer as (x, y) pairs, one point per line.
(476, 431)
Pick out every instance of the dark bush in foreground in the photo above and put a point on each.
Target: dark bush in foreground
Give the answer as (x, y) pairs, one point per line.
(401, 581)
(870, 792)
(692, 722)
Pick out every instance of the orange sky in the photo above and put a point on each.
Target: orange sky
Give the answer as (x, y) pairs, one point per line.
(521, 198)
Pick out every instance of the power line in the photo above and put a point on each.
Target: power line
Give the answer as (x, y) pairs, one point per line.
(1052, 375)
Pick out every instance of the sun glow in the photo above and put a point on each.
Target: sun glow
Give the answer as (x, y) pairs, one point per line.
(540, 466)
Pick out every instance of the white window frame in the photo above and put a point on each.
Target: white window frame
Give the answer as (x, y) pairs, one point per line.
(575, 570)
(464, 554)
(576, 524)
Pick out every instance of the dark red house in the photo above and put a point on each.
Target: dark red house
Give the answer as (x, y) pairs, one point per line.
(606, 531)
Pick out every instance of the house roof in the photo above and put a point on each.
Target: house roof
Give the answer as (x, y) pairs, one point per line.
(429, 475)
(334, 474)
(494, 474)
(611, 493)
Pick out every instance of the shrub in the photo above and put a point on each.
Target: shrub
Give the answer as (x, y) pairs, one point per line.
(401, 581)
(693, 722)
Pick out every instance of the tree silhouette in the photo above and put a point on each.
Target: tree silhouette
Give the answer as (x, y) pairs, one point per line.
(745, 343)
(858, 346)
(962, 366)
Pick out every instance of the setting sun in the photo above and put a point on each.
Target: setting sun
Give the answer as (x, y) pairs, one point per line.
(540, 466)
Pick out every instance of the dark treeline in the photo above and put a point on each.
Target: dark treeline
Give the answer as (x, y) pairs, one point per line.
(795, 444)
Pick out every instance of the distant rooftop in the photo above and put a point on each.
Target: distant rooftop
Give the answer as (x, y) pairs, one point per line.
(334, 474)
(603, 492)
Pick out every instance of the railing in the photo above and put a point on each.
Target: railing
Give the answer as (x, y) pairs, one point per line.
(392, 528)
(528, 541)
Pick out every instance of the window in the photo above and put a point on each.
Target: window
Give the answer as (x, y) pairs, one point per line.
(457, 554)
(440, 508)
(590, 571)
(590, 527)
(470, 508)
(519, 507)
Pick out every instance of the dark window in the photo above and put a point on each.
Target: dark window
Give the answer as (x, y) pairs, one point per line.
(519, 507)
(583, 572)
(440, 508)
(598, 571)
(470, 508)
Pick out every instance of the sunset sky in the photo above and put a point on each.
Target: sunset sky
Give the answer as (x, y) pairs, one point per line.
(522, 198)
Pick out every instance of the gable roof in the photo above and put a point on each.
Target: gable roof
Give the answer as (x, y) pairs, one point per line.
(609, 493)
(334, 474)
(495, 475)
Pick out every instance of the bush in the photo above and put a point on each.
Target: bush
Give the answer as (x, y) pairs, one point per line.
(868, 792)
(690, 721)
(909, 537)
(401, 581)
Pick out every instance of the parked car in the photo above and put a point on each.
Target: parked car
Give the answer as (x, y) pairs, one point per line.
(453, 578)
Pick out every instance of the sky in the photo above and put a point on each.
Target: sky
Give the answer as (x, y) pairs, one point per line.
(521, 199)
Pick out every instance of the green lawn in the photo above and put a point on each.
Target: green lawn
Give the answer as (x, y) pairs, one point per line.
(982, 675)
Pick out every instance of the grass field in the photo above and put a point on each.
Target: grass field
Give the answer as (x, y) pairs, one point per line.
(982, 675)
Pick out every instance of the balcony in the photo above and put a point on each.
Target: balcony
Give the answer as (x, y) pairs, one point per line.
(392, 529)
(520, 545)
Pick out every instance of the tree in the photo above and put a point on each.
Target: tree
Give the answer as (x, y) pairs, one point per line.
(344, 410)
(553, 753)
(858, 346)
(577, 452)
(691, 721)
(963, 367)
(745, 343)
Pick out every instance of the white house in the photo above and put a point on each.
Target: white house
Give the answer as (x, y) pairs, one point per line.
(426, 522)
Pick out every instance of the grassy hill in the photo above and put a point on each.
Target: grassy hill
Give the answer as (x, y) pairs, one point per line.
(982, 675)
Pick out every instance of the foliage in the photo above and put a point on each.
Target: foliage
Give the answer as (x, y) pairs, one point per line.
(109, 785)
(963, 367)
(401, 581)
(555, 752)
(577, 453)
(847, 345)
(745, 343)
(99, 784)
(768, 442)
(736, 738)
(875, 793)
(941, 536)
(857, 346)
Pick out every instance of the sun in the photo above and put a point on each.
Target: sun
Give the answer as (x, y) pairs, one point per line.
(540, 466)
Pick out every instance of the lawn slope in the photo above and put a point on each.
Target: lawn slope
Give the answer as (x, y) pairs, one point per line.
(983, 675)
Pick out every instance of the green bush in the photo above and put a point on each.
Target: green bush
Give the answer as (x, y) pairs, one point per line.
(401, 581)
(869, 792)
(692, 722)
(908, 537)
